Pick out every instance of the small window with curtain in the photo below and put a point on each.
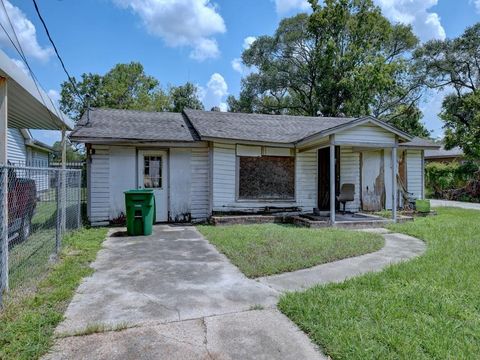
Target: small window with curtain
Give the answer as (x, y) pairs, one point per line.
(266, 178)
(152, 172)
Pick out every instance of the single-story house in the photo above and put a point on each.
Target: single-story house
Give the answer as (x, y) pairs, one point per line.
(24, 150)
(201, 163)
(445, 156)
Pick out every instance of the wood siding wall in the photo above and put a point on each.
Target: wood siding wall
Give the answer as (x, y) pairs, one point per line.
(366, 133)
(99, 193)
(200, 184)
(225, 177)
(415, 172)
(17, 151)
(350, 174)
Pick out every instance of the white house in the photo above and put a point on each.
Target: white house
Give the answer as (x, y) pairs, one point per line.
(201, 163)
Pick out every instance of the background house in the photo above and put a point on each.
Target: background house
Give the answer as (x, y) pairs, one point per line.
(443, 155)
(24, 150)
(201, 163)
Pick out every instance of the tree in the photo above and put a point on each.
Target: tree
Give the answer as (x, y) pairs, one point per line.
(73, 154)
(343, 59)
(185, 96)
(454, 64)
(125, 86)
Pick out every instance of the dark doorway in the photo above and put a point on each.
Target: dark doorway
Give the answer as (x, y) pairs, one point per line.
(324, 177)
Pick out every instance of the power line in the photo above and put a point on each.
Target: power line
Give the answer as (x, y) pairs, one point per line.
(56, 51)
(20, 51)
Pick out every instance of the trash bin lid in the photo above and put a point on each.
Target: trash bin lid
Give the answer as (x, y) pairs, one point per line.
(139, 191)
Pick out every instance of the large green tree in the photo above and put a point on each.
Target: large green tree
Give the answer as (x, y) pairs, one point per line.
(125, 86)
(345, 58)
(454, 65)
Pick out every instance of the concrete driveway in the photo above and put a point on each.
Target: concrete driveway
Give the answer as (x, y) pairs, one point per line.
(173, 296)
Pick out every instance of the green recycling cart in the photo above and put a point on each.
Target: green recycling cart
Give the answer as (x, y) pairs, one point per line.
(140, 205)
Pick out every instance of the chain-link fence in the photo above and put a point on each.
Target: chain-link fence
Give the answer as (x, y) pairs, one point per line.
(38, 207)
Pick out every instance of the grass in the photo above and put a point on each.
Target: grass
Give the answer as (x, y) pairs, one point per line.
(28, 320)
(427, 308)
(267, 249)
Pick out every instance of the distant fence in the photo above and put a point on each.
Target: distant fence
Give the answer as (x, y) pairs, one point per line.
(38, 207)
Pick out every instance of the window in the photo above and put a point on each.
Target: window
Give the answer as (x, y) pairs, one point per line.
(266, 177)
(152, 172)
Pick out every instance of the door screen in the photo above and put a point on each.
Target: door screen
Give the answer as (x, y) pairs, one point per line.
(152, 172)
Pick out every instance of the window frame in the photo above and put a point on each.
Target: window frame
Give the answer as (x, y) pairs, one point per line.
(265, 200)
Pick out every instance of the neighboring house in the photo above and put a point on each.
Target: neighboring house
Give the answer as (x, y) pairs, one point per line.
(24, 150)
(200, 163)
(446, 156)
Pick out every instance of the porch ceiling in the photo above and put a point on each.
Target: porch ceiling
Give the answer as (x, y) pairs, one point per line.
(29, 107)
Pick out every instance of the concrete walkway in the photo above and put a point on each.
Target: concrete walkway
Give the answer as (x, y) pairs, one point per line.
(398, 247)
(459, 204)
(172, 295)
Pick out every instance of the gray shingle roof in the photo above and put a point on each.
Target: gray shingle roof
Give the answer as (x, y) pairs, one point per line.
(133, 125)
(442, 153)
(418, 142)
(259, 127)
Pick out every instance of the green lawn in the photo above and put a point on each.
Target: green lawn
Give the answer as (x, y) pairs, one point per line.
(28, 319)
(427, 308)
(267, 249)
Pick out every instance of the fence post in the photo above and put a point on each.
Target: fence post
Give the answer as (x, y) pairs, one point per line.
(79, 219)
(58, 228)
(4, 231)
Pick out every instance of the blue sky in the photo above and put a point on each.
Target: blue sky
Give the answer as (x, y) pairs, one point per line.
(189, 40)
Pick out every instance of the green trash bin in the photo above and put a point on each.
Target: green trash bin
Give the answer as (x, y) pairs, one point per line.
(140, 206)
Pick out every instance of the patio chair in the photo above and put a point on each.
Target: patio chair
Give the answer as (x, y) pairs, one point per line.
(347, 193)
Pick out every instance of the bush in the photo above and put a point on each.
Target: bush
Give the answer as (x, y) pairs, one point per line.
(441, 178)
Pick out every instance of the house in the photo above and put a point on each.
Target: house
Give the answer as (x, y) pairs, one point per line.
(445, 156)
(24, 150)
(201, 163)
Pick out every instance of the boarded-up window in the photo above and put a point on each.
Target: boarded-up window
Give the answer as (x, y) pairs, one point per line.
(266, 177)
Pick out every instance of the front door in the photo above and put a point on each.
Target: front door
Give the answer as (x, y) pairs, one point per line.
(152, 174)
(324, 177)
(373, 180)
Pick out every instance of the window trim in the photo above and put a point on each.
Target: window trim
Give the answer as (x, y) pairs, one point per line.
(239, 199)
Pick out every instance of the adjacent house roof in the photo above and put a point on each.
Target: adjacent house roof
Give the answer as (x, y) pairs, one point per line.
(133, 125)
(194, 125)
(456, 152)
(418, 142)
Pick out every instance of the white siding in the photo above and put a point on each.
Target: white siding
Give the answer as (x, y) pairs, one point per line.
(224, 163)
(122, 175)
(366, 133)
(350, 174)
(306, 180)
(415, 172)
(17, 152)
(40, 159)
(99, 193)
(200, 191)
(224, 182)
(180, 184)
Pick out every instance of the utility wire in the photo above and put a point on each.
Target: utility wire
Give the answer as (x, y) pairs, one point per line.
(56, 51)
(20, 51)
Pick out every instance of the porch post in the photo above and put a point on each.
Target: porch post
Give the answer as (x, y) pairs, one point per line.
(332, 179)
(394, 182)
(3, 188)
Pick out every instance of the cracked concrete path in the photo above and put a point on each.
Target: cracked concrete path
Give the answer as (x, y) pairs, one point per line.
(398, 247)
(174, 296)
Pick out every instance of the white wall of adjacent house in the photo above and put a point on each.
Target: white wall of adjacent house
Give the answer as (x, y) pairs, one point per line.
(17, 151)
(415, 173)
(112, 170)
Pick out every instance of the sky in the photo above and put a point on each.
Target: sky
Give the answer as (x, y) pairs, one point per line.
(200, 41)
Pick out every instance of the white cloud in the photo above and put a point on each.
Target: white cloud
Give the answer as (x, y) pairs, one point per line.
(476, 3)
(223, 106)
(249, 40)
(22, 66)
(425, 24)
(286, 6)
(237, 65)
(215, 92)
(25, 30)
(431, 107)
(54, 95)
(191, 23)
